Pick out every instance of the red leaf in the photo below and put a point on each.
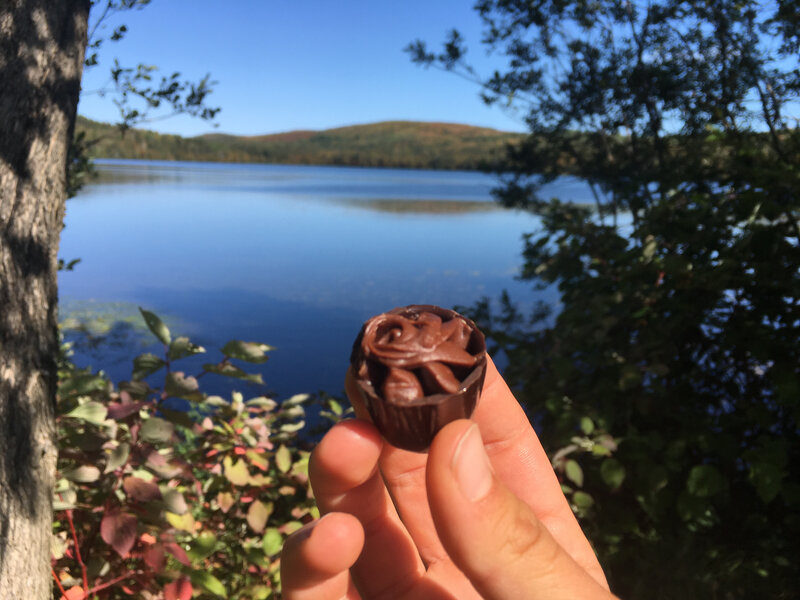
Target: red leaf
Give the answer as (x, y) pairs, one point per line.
(155, 557)
(240, 451)
(179, 553)
(118, 530)
(147, 538)
(180, 589)
(141, 490)
(74, 593)
(119, 411)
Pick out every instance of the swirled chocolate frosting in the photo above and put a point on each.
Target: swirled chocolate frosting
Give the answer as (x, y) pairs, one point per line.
(418, 368)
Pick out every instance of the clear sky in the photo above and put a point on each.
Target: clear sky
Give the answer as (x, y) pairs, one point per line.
(283, 65)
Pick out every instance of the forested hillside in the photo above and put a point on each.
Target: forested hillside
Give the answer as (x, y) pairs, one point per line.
(389, 144)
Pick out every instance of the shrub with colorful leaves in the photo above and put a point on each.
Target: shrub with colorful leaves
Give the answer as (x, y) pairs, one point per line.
(162, 503)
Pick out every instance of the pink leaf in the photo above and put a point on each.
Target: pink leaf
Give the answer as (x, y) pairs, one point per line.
(119, 411)
(155, 557)
(118, 530)
(141, 490)
(179, 553)
(180, 589)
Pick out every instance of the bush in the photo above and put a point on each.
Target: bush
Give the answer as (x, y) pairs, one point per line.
(166, 493)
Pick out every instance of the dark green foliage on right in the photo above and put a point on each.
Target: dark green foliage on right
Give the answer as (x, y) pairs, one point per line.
(666, 386)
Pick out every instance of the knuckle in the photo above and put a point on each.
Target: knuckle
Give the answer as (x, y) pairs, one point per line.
(525, 545)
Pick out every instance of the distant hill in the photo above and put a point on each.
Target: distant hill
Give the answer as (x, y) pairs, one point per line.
(408, 144)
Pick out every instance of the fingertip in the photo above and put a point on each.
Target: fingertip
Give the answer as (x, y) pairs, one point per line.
(345, 458)
(335, 543)
(316, 558)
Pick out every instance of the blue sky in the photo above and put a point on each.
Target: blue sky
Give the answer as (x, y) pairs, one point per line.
(283, 65)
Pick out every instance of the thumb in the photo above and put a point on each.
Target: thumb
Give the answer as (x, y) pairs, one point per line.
(490, 534)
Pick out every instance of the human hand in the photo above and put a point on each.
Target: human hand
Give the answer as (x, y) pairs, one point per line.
(481, 515)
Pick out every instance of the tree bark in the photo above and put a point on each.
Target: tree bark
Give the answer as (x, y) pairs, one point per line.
(42, 45)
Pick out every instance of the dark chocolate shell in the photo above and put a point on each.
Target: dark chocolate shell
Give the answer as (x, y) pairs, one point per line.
(418, 368)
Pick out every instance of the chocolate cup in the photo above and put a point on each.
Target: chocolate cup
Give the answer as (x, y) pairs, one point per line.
(412, 425)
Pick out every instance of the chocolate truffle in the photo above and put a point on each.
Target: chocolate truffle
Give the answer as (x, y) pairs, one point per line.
(417, 368)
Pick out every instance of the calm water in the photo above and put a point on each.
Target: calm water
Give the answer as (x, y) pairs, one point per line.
(293, 256)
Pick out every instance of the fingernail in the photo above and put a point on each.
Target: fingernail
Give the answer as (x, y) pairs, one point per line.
(471, 466)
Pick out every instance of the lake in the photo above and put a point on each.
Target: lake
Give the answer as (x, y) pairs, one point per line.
(293, 256)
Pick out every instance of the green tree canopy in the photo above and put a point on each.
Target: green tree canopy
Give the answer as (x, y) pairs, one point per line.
(667, 386)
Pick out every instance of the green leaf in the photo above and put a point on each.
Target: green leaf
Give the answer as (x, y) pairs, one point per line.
(704, 481)
(229, 370)
(174, 501)
(766, 478)
(184, 522)
(612, 472)
(587, 425)
(225, 501)
(272, 542)
(262, 402)
(156, 326)
(292, 427)
(649, 249)
(178, 385)
(65, 500)
(156, 430)
(216, 401)
(291, 526)
(82, 384)
(236, 472)
(582, 500)
(118, 457)
(600, 450)
(181, 347)
(574, 472)
(91, 412)
(251, 352)
(146, 364)
(295, 402)
(203, 546)
(209, 583)
(257, 515)
(82, 474)
(283, 459)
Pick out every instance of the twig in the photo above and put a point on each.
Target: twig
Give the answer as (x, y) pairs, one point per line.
(78, 552)
(58, 582)
(103, 586)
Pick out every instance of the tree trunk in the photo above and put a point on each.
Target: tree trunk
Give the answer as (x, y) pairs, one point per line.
(42, 44)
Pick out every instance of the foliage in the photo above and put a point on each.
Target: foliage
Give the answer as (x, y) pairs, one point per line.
(165, 492)
(666, 386)
(390, 144)
(138, 93)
